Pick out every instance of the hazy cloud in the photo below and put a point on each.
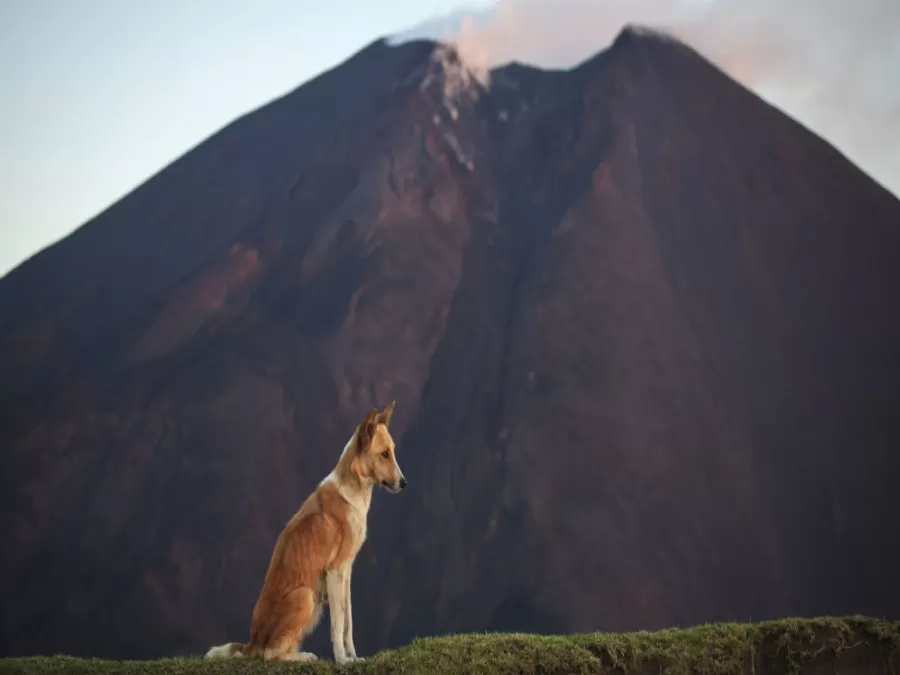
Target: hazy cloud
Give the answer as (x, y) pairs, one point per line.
(832, 64)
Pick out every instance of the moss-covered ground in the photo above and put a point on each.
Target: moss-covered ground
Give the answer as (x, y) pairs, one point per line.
(846, 645)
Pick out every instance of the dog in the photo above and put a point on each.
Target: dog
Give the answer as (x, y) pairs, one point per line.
(314, 553)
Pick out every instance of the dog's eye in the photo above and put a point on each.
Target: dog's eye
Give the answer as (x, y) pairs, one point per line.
(386, 454)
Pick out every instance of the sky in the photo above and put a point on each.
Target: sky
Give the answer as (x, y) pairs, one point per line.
(98, 95)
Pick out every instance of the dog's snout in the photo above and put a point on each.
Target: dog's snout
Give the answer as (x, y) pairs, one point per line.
(402, 482)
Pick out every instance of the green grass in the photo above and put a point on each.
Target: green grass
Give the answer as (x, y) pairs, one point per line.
(788, 646)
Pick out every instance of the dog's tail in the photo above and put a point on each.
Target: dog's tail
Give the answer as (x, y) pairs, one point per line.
(228, 651)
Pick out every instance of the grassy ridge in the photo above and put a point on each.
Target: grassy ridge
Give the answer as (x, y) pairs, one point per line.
(855, 644)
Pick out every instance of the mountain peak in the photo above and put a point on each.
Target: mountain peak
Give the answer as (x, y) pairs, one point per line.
(632, 32)
(634, 337)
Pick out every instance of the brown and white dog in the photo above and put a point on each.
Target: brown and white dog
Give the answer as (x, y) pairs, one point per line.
(314, 554)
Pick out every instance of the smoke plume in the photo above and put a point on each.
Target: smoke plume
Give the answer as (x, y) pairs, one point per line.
(833, 65)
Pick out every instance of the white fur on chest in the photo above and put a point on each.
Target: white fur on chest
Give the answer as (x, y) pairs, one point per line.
(357, 521)
(357, 512)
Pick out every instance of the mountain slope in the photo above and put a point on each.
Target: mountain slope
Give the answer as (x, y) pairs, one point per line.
(639, 325)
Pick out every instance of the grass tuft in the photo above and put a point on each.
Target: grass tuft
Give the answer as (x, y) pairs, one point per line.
(784, 647)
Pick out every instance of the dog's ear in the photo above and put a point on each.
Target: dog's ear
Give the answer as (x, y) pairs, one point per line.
(384, 417)
(366, 431)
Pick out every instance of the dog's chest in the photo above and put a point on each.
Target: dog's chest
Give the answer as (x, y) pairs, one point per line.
(357, 511)
(356, 522)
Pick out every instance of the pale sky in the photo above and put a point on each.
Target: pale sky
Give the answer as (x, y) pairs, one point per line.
(98, 95)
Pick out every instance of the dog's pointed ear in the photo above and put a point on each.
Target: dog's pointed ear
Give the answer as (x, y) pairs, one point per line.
(366, 431)
(384, 417)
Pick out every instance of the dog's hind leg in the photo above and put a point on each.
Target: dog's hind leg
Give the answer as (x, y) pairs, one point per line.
(310, 627)
(296, 623)
(297, 656)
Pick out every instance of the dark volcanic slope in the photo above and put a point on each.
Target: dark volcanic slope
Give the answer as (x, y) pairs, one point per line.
(640, 326)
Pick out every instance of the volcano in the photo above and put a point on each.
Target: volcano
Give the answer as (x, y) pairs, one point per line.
(640, 325)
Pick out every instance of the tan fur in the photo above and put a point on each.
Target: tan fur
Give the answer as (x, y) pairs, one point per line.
(312, 561)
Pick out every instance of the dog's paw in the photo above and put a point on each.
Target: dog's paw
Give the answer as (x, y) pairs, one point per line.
(306, 656)
(348, 659)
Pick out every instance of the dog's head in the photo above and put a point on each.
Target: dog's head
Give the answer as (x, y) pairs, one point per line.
(375, 451)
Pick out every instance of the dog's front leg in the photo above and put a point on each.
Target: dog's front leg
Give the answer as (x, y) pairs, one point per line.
(334, 585)
(348, 616)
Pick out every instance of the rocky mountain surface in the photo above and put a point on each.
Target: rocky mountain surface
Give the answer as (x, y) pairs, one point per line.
(641, 328)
